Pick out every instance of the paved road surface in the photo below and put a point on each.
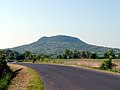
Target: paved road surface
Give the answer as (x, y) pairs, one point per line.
(57, 77)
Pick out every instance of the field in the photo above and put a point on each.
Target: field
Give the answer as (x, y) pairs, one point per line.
(86, 62)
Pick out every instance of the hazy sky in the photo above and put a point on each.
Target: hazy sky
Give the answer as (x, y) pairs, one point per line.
(93, 21)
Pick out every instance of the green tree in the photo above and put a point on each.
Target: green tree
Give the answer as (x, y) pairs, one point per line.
(16, 54)
(109, 54)
(107, 64)
(76, 54)
(85, 54)
(38, 57)
(70, 54)
(64, 56)
(28, 55)
(93, 55)
(34, 57)
(21, 57)
(67, 53)
(60, 56)
(11, 54)
(106, 55)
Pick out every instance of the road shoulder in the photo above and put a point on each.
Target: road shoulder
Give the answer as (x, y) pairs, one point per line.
(24, 78)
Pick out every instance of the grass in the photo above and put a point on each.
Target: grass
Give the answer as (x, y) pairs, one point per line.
(5, 79)
(35, 83)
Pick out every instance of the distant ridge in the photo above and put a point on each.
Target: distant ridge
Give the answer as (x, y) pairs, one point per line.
(57, 44)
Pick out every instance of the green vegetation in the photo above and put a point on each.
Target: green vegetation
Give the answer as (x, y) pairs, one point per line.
(35, 83)
(110, 54)
(69, 54)
(107, 65)
(5, 79)
(60, 47)
(57, 45)
(5, 72)
(28, 56)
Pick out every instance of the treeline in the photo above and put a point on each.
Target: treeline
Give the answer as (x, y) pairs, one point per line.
(75, 54)
(12, 55)
(67, 54)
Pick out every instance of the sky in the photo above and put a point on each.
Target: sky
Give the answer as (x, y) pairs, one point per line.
(96, 22)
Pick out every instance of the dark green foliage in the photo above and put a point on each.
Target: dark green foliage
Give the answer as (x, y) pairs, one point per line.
(5, 79)
(38, 57)
(85, 54)
(107, 64)
(76, 54)
(69, 54)
(3, 63)
(12, 55)
(64, 56)
(5, 72)
(60, 56)
(93, 56)
(106, 55)
(110, 54)
(34, 58)
(57, 45)
(21, 57)
(28, 55)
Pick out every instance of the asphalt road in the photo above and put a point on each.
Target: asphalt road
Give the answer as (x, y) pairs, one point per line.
(55, 77)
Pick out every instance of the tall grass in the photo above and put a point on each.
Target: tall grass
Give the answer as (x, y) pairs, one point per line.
(36, 83)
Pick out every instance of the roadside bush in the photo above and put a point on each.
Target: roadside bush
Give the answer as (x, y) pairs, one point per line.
(107, 65)
(5, 79)
(3, 63)
(5, 72)
(93, 56)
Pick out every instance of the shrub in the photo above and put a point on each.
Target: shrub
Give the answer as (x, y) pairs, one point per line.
(93, 56)
(107, 65)
(5, 72)
(4, 80)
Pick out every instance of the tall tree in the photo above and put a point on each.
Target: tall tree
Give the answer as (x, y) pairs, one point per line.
(110, 54)
(93, 55)
(28, 55)
(76, 54)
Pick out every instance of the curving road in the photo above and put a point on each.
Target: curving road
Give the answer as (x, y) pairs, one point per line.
(56, 77)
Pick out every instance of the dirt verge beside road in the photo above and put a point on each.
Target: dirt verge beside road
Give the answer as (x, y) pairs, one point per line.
(21, 77)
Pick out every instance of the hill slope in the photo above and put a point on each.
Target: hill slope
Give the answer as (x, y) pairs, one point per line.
(57, 44)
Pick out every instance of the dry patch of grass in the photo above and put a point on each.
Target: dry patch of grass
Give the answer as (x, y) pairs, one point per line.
(85, 62)
(91, 62)
(118, 64)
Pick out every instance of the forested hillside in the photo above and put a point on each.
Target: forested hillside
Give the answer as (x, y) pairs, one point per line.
(57, 45)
